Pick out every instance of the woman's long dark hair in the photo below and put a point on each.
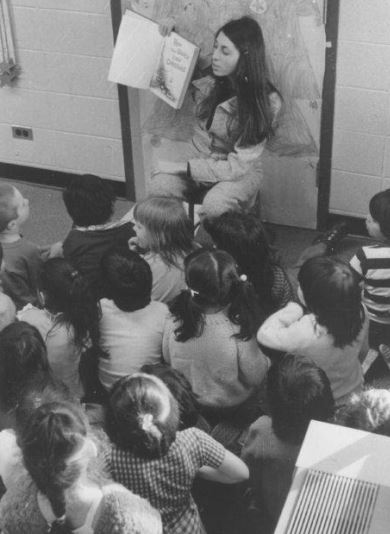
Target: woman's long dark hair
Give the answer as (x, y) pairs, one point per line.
(249, 83)
(48, 439)
(332, 293)
(213, 281)
(68, 294)
(244, 237)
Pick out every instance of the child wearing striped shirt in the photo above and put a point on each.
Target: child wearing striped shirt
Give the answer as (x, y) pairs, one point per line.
(372, 263)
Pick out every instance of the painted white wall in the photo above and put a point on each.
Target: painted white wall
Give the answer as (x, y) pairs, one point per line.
(361, 144)
(64, 49)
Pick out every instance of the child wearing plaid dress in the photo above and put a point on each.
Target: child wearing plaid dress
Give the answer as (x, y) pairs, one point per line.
(154, 460)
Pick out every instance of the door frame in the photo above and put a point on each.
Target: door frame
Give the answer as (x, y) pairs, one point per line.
(331, 16)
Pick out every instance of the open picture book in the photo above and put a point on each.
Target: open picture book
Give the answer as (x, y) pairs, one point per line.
(144, 59)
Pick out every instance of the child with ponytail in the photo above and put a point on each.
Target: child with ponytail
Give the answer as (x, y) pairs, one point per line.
(210, 335)
(68, 322)
(158, 462)
(164, 237)
(63, 489)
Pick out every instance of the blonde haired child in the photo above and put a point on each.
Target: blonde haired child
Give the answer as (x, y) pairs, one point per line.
(164, 236)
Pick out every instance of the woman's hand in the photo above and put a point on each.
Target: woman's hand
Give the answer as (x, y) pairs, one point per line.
(166, 26)
(170, 167)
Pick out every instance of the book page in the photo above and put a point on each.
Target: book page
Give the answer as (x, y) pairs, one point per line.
(137, 48)
(174, 69)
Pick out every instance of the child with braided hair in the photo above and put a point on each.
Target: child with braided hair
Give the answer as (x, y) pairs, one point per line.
(58, 493)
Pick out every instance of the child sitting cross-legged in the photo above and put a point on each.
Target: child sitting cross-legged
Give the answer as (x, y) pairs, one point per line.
(22, 259)
(155, 460)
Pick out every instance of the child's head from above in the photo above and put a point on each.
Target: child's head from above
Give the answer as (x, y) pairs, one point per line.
(14, 209)
(238, 49)
(368, 410)
(143, 416)
(297, 392)
(180, 388)
(378, 219)
(211, 276)
(56, 450)
(128, 279)
(330, 289)
(244, 237)
(89, 200)
(162, 226)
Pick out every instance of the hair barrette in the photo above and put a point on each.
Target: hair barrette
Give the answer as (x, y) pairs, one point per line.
(243, 278)
(193, 292)
(147, 422)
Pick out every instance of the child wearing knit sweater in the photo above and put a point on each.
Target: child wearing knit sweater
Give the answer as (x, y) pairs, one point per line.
(210, 335)
(329, 326)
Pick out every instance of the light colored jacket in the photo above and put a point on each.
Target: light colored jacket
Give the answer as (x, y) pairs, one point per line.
(223, 159)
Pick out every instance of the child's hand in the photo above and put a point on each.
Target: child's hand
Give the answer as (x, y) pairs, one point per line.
(166, 26)
(170, 167)
(133, 244)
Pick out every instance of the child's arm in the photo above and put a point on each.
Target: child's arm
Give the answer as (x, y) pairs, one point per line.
(231, 471)
(281, 330)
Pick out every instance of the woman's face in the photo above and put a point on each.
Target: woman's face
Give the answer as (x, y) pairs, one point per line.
(225, 56)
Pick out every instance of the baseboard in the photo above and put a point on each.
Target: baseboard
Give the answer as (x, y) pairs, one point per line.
(48, 177)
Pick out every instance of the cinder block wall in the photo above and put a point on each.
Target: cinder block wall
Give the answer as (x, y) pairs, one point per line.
(361, 145)
(64, 49)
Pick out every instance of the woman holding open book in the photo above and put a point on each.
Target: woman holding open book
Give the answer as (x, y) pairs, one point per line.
(236, 109)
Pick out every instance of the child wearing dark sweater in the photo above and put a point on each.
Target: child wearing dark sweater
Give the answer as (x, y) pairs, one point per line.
(89, 201)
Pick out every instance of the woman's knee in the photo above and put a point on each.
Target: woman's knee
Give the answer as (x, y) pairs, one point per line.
(167, 185)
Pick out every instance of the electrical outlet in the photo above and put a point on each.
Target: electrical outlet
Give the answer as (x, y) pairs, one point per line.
(20, 132)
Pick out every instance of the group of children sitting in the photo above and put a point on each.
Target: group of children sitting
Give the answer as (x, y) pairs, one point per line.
(130, 353)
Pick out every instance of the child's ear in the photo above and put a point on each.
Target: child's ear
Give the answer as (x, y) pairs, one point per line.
(12, 225)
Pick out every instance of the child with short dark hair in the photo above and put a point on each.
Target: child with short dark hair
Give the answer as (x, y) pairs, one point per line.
(131, 326)
(152, 458)
(329, 326)
(297, 392)
(89, 201)
(22, 259)
(372, 263)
